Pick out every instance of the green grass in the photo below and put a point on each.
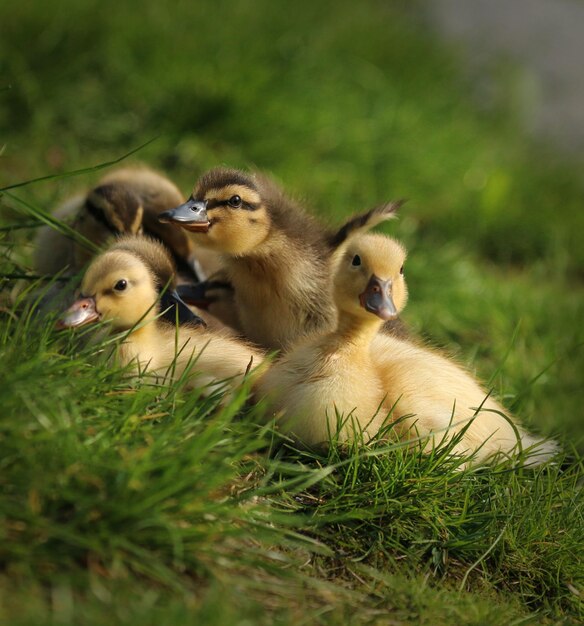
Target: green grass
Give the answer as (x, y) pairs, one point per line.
(133, 504)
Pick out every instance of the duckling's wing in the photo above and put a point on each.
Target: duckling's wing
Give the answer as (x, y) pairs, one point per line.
(175, 310)
(364, 222)
(207, 292)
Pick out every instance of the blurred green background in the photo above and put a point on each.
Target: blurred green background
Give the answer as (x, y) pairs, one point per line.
(347, 105)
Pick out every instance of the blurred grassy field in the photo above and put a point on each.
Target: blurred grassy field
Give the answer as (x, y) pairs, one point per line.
(348, 104)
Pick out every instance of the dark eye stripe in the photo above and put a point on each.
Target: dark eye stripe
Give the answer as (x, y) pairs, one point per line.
(246, 206)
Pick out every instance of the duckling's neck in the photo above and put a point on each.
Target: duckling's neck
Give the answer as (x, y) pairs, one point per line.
(267, 251)
(140, 343)
(356, 331)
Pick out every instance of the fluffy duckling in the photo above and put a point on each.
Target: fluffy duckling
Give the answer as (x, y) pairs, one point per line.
(371, 379)
(130, 285)
(276, 256)
(125, 201)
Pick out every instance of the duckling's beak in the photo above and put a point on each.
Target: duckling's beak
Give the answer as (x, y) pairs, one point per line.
(192, 215)
(377, 298)
(79, 313)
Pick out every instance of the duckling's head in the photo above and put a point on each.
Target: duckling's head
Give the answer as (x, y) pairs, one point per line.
(226, 212)
(117, 208)
(109, 209)
(118, 288)
(370, 278)
(123, 286)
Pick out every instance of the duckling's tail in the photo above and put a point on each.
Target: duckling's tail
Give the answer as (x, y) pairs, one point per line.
(537, 450)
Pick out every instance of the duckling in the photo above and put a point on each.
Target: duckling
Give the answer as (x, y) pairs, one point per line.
(369, 379)
(276, 256)
(123, 286)
(125, 201)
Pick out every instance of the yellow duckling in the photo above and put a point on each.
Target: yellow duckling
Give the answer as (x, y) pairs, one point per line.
(276, 256)
(372, 379)
(130, 285)
(125, 201)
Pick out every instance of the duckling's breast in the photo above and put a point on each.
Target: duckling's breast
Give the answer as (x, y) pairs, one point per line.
(318, 396)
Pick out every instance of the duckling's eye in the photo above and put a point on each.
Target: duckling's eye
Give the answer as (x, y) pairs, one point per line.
(401, 270)
(234, 201)
(356, 261)
(121, 285)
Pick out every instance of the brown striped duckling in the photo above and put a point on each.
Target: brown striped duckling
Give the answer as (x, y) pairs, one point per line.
(125, 201)
(371, 379)
(276, 256)
(130, 285)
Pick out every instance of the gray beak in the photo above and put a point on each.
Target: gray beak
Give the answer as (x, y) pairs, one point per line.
(81, 312)
(192, 215)
(377, 298)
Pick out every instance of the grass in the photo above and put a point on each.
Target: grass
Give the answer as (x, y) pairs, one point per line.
(130, 503)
